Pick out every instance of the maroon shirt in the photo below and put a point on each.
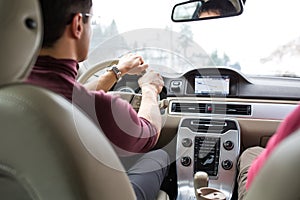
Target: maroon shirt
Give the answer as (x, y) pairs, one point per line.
(115, 116)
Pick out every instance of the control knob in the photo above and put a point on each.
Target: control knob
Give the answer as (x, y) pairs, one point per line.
(227, 164)
(228, 145)
(186, 161)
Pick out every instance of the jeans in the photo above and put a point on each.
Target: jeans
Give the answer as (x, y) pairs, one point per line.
(148, 173)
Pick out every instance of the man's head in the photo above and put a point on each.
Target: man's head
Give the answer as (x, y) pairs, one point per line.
(213, 8)
(57, 14)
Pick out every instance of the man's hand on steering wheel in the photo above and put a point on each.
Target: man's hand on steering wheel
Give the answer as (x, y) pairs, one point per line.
(132, 64)
(152, 80)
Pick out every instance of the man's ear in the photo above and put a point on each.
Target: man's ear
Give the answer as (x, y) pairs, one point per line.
(77, 26)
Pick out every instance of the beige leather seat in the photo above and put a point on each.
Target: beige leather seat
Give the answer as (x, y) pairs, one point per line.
(279, 179)
(48, 148)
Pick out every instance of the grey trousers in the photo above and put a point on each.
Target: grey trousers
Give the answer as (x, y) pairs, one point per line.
(148, 173)
(244, 163)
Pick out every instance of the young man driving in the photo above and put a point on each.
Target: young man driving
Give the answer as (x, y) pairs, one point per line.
(67, 33)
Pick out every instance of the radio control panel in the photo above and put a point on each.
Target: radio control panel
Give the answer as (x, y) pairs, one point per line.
(209, 145)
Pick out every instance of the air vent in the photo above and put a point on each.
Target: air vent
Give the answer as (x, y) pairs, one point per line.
(229, 109)
(232, 109)
(189, 107)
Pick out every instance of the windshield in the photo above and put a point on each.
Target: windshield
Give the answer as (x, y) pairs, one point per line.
(262, 41)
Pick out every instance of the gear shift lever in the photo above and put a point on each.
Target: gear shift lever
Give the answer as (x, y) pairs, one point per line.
(203, 192)
(200, 180)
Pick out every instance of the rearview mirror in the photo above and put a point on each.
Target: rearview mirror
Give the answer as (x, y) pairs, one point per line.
(206, 9)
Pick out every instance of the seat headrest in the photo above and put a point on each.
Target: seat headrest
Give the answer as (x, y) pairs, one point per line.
(21, 37)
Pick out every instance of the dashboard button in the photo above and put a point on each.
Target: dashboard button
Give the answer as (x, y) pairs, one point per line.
(227, 164)
(228, 145)
(186, 142)
(176, 83)
(175, 86)
(186, 161)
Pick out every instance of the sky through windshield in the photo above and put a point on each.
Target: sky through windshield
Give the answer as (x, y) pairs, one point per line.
(250, 39)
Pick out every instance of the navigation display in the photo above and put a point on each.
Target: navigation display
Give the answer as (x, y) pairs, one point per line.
(212, 85)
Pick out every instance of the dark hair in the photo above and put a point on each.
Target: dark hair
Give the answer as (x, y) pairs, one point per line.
(224, 7)
(57, 14)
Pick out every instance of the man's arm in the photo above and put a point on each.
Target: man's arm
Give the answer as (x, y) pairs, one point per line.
(151, 84)
(127, 130)
(129, 64)
(104, 82)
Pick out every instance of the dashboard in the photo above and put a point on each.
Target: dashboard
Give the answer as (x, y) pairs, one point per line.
(210, 115)
(220, 82)
(257, 103)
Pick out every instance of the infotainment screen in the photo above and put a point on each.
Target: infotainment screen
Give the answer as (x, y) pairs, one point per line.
(212, 85)
(206, 155)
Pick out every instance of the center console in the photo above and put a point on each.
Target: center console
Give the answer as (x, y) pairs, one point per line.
(207, 145)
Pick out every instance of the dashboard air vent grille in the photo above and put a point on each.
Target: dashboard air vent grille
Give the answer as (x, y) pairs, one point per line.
(213, 108)
(232, 109)
(189, 107)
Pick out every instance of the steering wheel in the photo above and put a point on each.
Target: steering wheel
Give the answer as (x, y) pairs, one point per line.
(91, 71)
(133, 98)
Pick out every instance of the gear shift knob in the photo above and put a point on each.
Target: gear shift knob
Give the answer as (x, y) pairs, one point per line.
(200, 180)
(202, 191)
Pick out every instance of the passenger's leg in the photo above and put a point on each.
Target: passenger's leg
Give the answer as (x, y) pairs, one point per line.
(245, 160)
(147, 175)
